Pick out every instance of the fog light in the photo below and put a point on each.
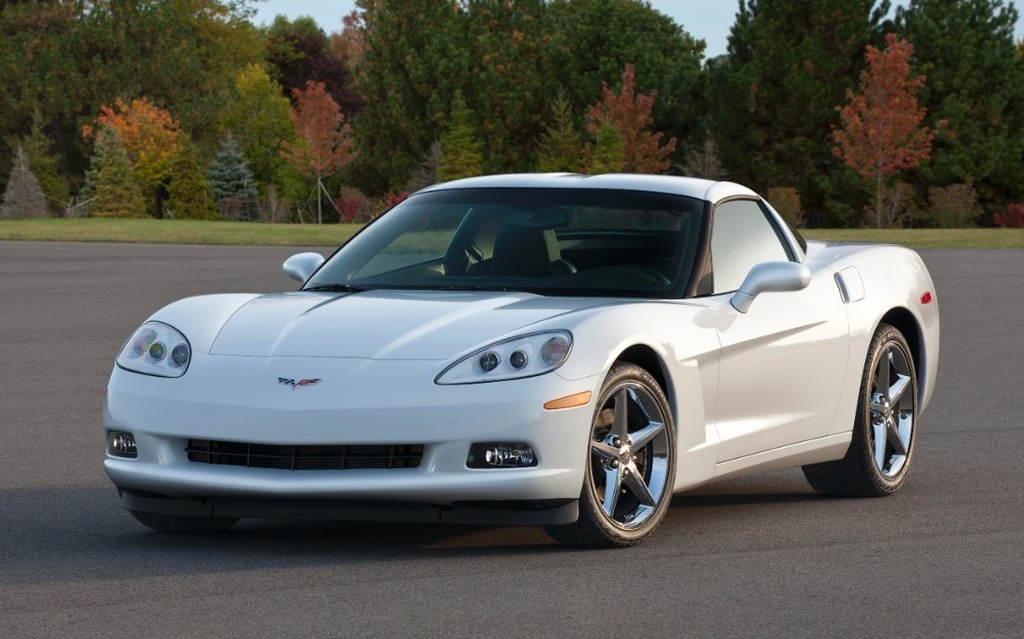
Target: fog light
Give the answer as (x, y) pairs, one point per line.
(501, 455)
(122, 444)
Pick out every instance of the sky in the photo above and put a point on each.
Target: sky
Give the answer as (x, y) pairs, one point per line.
(709, 20)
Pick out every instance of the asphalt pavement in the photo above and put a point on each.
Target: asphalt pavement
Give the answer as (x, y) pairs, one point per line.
(758, 557)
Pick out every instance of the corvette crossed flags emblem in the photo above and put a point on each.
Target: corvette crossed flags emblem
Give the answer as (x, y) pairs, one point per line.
(298, 384)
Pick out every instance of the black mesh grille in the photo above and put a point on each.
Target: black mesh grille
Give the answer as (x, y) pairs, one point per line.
(205, 451)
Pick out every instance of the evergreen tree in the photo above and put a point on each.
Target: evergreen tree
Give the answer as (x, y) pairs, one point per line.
(231, 183)
(560, 148)
(188, 193)
(46, 166)
(607, 156)
(460, 148)
(23, 198)
(111, 189)
(773, 97)
(976, 88)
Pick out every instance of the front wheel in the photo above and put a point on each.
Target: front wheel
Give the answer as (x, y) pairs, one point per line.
(630, 464)
(884, 430)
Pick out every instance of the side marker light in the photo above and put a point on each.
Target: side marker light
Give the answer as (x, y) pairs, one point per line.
(926, 298)
(571, 401)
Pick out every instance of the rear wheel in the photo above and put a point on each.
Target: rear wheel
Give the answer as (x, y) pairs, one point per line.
(180, 524)
(630, 466)
(882, 446)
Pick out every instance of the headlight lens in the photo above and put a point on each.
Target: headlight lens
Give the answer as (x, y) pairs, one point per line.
(156, 349)
(523, 356)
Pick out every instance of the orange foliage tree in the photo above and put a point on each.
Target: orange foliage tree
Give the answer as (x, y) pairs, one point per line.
(150, 136)
(881, 133)
(630, 114)
(325, 145)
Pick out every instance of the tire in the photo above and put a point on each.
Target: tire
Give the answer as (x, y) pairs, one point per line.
(885, 427)
(632, 446)
(180, 524)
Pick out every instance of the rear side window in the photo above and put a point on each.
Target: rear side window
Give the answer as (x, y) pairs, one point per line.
(742, 236)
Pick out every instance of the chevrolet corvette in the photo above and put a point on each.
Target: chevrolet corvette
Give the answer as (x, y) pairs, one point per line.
(564, 351)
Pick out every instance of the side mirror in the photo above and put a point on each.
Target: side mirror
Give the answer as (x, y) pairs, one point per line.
(770, 277)
(300, 267)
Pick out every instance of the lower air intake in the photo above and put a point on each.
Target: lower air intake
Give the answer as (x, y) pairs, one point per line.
(206, 451)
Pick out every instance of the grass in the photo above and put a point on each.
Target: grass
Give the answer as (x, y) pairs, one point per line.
(248, 233)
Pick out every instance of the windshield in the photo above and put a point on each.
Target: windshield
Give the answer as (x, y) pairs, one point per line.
(549, 241)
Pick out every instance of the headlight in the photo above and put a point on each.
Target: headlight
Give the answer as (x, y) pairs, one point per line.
(523, 356)
(156, 349)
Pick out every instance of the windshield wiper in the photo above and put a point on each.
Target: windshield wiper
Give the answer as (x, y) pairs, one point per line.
(337, 288)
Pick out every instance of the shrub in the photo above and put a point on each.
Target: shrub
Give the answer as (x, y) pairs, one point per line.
(1012, 219)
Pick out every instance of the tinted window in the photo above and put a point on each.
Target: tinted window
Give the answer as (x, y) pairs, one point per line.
(742, 236)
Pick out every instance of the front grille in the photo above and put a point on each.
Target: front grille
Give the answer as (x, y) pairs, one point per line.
(205, 451)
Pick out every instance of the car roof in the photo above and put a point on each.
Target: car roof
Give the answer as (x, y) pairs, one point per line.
(709, 190)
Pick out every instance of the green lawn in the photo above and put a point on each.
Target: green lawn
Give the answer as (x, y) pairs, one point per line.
(248, 233)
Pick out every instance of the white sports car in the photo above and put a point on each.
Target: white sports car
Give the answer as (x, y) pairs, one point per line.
(556, 350)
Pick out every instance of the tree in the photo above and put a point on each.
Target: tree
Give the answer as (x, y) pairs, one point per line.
(298, 51)
(703, 161)
(771, 99)
(607, 155)
(881, 134)
(976, 87)
(111, 189)
(630, 114)
(259, 118)
(46, 166)
(460, 149)
(324, 145)
(559, 148)
(188, 192)
(149, 135)
(591, 41)
(22, 198)
(231, 183)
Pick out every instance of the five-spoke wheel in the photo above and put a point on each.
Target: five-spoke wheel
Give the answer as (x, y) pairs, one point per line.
(883, 435)
(631, 465)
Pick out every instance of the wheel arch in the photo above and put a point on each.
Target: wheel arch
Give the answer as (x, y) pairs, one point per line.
(649, 359)
(904, 321)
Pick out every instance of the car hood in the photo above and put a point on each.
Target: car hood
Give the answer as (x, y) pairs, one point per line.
(408, 325)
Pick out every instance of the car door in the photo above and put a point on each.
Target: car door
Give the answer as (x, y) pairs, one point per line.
(783, 362)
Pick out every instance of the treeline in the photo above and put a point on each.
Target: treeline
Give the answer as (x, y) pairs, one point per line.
(184, 108)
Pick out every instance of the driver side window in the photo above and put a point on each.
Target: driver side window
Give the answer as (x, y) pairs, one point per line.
(742, 236)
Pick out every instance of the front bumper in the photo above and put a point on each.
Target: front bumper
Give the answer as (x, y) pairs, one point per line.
(358, 402)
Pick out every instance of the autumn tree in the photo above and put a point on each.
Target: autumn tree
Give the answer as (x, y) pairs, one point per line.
(882, 133)
(630, 114)
(771, 99)
(111, 189)
(22, 198)
(324, 144)
(149, 135)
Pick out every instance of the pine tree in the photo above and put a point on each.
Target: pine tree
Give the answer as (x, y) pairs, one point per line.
(111, 189)
(560, 147)
(460, 148)
(188, 193)
(23, 197)
(46, 166)
(231, 183)
(608, 156)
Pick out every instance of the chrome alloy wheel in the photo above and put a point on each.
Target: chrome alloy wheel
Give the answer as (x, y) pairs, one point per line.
(629, 456)
(892, 410)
